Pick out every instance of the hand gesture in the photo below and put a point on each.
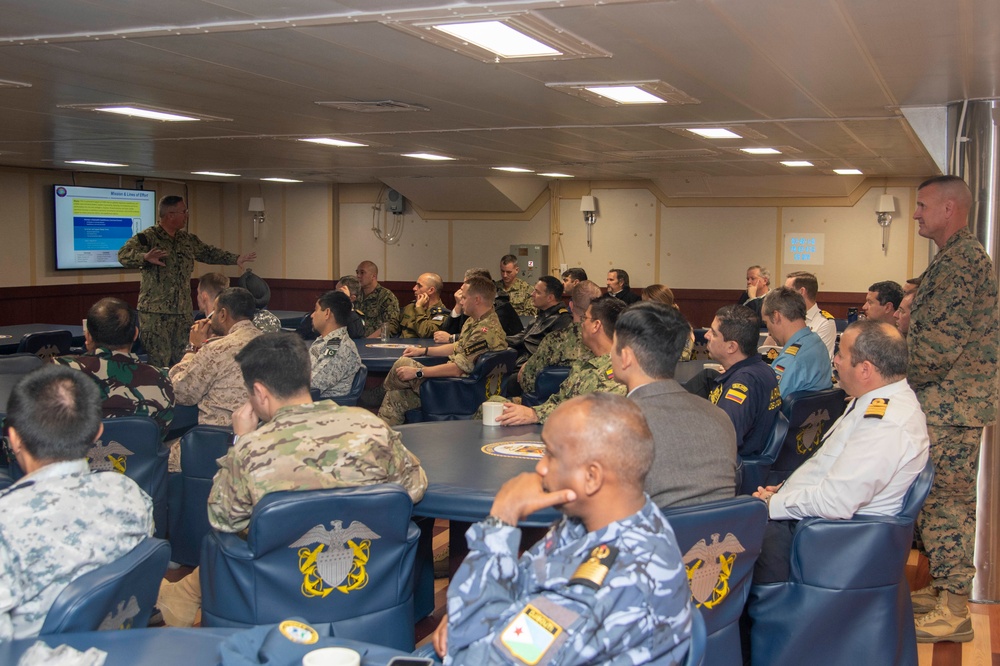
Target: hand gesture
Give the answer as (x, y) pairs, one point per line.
(422, 300)
(244, 258)
(244, 419)
(155, 256)
(523, 495)
(200, 332)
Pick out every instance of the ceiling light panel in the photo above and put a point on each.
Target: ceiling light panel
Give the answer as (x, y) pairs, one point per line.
(281, 180)
(761, 151)
(498, 38)
(797, 163)
(219, 174)
(555, 175)
(621, 93)
(339, 143)
(848, 172)
(96, 163)
(513, 169)
(714, 133)
(429, 156)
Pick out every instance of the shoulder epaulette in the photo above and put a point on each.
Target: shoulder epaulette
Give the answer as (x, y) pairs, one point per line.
(595, 569)
(826, 315)
(793, 349)
(876, 408)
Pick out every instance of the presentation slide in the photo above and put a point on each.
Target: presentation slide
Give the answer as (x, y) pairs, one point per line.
(93, 223)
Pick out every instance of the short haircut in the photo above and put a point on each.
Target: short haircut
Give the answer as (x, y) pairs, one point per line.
(238, 302)
(473, 272)
(880, 344)
(433, 280)
(167, 202)
(480, 286)
(606, 309)
(370, 265)
(739, 324)
(279, 361)
(805, 280)
(508, 259)
(660, 293)
(621, 274)
(888, 291)
(583, 294)
(112, 323)
(338, 303)
(656, 334)
(575, 274)
(352, 284)
(616, 434)
(553, 286)
(785, 300)
(57, 413)
(764, 273)
(952, 187)
(213, 283)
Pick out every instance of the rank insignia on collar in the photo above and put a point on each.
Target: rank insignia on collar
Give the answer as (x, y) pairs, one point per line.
(592, 572)
(876, 408)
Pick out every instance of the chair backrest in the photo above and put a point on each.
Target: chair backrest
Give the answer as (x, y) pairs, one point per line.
(341, 556)
(119, 595)
(546, 384)
(459, 398)
(810, 414)
(357, 386)
(201, 446)
(754, 470)
(131, 445)
(46, 344)
(720, 542)
(12, 368)
(914, 499)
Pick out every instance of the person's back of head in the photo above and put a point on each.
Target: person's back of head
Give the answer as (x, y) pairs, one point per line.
(880, 344)
(278, 361)
(806, 281)
(553, 287)
(656, 334)
(481, 287)
(787, 301)
(474, 272)
(660, 293)
(212, 284)
(56, 413)
(888, 291)
(238, 302)
(112, 323)
(739, 324)
(583, 294)
(575, 273)
(606, 309)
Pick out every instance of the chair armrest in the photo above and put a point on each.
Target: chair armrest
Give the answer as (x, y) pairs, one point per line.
(231, 545)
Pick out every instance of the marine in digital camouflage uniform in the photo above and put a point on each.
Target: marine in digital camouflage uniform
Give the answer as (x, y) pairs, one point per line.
(562, 348)
(423, 322)
(520, 297)
(380, 307)
(335, 361)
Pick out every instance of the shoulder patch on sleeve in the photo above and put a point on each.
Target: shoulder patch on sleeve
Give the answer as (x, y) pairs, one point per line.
(736, 396)
(475, 347)
(876, 408)
(530, 635)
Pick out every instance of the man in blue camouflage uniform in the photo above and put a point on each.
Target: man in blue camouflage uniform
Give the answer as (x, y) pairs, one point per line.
(59, 521)
(333, 354)
(953, 370)
(804, 363)
(165, 256)
(605, 585)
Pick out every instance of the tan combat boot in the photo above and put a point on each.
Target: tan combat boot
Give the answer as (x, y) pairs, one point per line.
(949, 621)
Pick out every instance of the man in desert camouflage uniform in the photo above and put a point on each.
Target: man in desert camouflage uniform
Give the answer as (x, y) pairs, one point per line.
(379, 305)
(333, 354)
(165, 256)
(345, 446)
(481, 333)
(128, 386)
(605, 585)
(424, 317)
(517, 289)
(59, 521)
(952, 368)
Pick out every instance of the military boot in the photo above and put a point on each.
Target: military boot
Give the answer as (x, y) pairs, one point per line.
(924, 600)
(949, 621)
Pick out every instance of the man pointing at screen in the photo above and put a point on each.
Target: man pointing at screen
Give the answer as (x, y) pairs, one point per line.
(165, 256)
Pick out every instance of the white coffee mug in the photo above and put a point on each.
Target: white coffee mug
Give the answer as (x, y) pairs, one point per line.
(491, 412)
(332, 656)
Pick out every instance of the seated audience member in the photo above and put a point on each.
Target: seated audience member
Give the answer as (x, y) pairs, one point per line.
(606, 585)
(481, 333)
(207, 374)
(59, 521)
(597, 327)
(300, 445)
(334, 356)
(552, 316)
(210, 285)
(747, 390)
(263, 319)
(758, 284)
(619, 287)
(869, 456)
(452, 326)
(514, 287)
(882, 300)
(662, 294)
(424, 317)
(350, 286)
(803, 364)
(565, 347)
(901, 316)
(819, 321)
(128, 386)
(572, 277)
(695, 441)
(379, 305)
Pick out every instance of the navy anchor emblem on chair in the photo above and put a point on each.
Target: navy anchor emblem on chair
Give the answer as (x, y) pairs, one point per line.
(108, 457)
(709, 567)
(342, 565)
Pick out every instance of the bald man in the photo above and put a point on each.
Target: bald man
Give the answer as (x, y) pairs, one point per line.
(378, 303)
(425, 316)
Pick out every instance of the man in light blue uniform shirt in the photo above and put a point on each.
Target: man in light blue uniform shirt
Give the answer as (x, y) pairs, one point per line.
(804, 363)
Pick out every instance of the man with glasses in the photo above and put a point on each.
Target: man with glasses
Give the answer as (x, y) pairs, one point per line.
(165, 256)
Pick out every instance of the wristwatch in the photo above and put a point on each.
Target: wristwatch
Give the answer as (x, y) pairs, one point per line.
(191, 349)
(493, 521)
(420, 373)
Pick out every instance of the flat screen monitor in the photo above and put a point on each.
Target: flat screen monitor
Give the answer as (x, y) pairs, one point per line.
(92, 223)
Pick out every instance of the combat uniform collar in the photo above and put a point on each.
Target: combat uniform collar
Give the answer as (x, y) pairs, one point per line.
(956, 237)
(335, 333)
(612, 530)
(107, 354)
(246, 323)
(291, 410)
(749, 360)
(58, 470)
(485, 315)
(797, 337)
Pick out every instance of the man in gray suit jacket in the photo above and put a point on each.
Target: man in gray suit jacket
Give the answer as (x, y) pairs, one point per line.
(695, 441)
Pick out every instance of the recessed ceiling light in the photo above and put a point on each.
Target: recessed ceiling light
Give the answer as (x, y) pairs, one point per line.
(282, 180)
(616, 93)
(555, 175)
(761, 151)
(95, 163)
(848, 172)
(149, 114)
(513, 169)
(220, 174)
(797, 163)
(428, 156)
(499, 38)
(340, 143)
(626, 94)
(714, 133)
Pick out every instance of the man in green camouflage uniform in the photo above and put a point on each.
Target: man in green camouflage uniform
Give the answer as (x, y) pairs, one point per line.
(952, 345)
(424, 317)
(563, 347)
(302, 445)
(128, 386)
(165, 256)
(517, 289)
(481, 333)
(379, 305)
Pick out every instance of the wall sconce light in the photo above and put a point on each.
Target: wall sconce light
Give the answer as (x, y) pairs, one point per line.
(588, 206)
(883, 215)
(257, 208)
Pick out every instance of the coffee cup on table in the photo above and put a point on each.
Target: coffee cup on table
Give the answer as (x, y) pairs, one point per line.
(491, 412)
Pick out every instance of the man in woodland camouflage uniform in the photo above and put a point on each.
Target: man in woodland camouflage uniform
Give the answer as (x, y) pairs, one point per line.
(517, 289)
(165, 256)
(128, 386)
(481, 333)
(952, 368)
(334, 355)
(379, 305)
(344, 446)
(424, 317)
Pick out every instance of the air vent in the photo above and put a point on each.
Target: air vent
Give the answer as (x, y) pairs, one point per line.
(385, 106)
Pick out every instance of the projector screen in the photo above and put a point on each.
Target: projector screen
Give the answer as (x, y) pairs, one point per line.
(93, 223)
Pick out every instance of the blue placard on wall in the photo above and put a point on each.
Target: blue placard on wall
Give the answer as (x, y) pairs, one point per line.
(804, 248)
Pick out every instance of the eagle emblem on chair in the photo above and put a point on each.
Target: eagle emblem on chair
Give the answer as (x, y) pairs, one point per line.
(108, 457)
(496, 375)
(338, 562)
(709, 566)
(811, 432)
(122, 617)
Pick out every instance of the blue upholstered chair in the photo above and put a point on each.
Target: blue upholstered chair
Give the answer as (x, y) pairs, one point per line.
(131, 445)
(12, 368)
(720, 542)
(696, 653)
(846, 598)
(456, 398)
(351, 399)
(547, 383)
(46, 344)
(753, 470)
(189, 489)
(119, 595)
(342, 557)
